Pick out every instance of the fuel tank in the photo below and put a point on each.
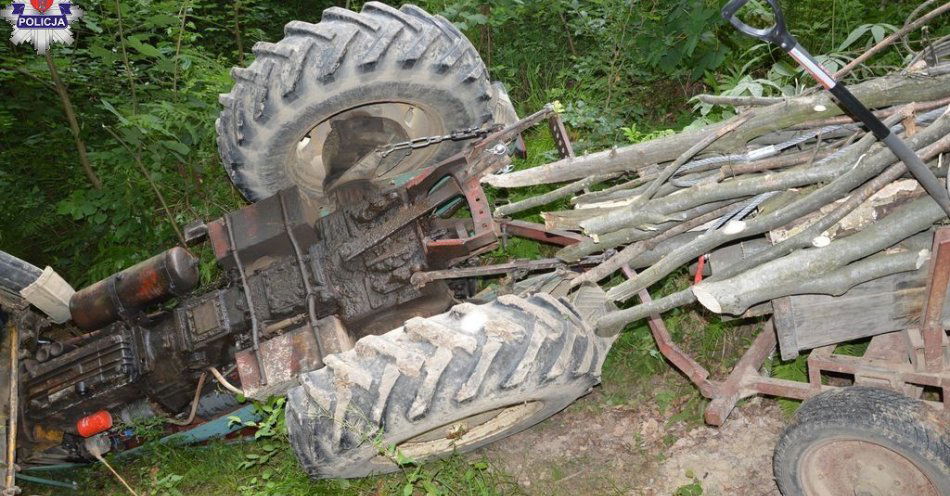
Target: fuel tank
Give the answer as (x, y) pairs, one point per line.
(164, 276)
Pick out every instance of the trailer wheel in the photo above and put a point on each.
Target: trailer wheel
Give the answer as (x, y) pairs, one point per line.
(311, 105)
(864, 441)
(452, 382)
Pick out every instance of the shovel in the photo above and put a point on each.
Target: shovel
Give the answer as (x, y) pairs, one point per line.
(780, 36)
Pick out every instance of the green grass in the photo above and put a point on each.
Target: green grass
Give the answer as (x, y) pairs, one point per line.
(793, 370)
(797, 369)
(216, 470)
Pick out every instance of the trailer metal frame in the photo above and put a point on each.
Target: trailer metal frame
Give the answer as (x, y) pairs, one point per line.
(907, 361)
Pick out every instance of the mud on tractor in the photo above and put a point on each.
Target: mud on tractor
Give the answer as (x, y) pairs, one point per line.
(361, 143)
(357, 139)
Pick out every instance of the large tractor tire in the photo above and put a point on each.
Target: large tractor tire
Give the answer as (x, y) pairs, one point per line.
(313, 104)
(452, 382)
(16, 274)
(864, 441)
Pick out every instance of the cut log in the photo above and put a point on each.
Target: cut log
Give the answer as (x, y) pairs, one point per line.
(816, 270)
(616, 320)
(694, 218)
(838, 188)
(881, 92)
(823, 171)
(539, 200)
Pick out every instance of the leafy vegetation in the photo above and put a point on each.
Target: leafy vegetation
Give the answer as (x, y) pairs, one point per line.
(142, 81)
(144, 75)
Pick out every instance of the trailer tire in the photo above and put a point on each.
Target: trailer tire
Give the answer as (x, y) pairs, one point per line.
(312, 104)
(452, 382)
(862, 440)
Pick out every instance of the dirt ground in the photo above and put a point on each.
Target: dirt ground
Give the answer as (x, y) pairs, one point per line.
(593, 449)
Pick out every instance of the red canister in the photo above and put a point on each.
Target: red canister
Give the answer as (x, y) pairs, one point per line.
(93, 424)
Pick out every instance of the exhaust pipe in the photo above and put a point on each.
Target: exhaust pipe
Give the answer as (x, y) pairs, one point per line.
(44, 289)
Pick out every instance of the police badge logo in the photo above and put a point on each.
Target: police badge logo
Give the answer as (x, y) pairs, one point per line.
(41, 22)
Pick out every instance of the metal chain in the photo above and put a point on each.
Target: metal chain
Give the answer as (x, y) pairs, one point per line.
(456, 135)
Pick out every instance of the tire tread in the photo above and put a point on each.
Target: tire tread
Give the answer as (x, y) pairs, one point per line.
(881, 415)
(312, 56)
(461, 368)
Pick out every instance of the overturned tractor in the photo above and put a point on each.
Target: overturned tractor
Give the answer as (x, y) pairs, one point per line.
(341, 276)
(363, 141)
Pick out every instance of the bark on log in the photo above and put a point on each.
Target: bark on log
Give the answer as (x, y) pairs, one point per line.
(735, 296)
(654, 251)
(921, 106)
(836, 285)
(694, 218)
(779, 162)
(627, 197)
(625, 159)
(739, 101)
(626, 185)
(823, 171)
(630, 254)
(876, 93)
(620, 318)
(805, 238)
(800, 240)
(838, 188)
(697, 147)
(729, 170)
(563, 191)
(570, 219)
(783, 276)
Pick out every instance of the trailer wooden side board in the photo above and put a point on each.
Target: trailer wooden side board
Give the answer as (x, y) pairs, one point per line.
(891, 303)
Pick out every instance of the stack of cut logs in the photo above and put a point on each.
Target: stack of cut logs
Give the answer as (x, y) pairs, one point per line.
(837, 207)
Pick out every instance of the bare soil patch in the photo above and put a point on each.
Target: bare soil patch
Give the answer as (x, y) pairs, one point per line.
(593, 449)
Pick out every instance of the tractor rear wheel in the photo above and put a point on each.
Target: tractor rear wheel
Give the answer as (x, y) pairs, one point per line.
(864, 441)
(313, 104)
(452, 382)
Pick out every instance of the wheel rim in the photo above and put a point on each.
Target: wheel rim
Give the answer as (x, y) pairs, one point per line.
(336, 144)
(465, 432)
(851, 467)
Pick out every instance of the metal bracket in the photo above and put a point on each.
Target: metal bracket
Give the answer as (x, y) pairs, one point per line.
(255, 337)
(561, 140)
(931, 327)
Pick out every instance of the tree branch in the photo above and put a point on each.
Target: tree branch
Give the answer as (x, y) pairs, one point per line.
(876, 93)
(700, 215)
(891, 39)
(739, 101)
(537, 201)
(823, 270)
(137, 158)
(73, 123)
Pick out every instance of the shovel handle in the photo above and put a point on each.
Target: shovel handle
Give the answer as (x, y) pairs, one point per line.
(780, 36)
(777, 33)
